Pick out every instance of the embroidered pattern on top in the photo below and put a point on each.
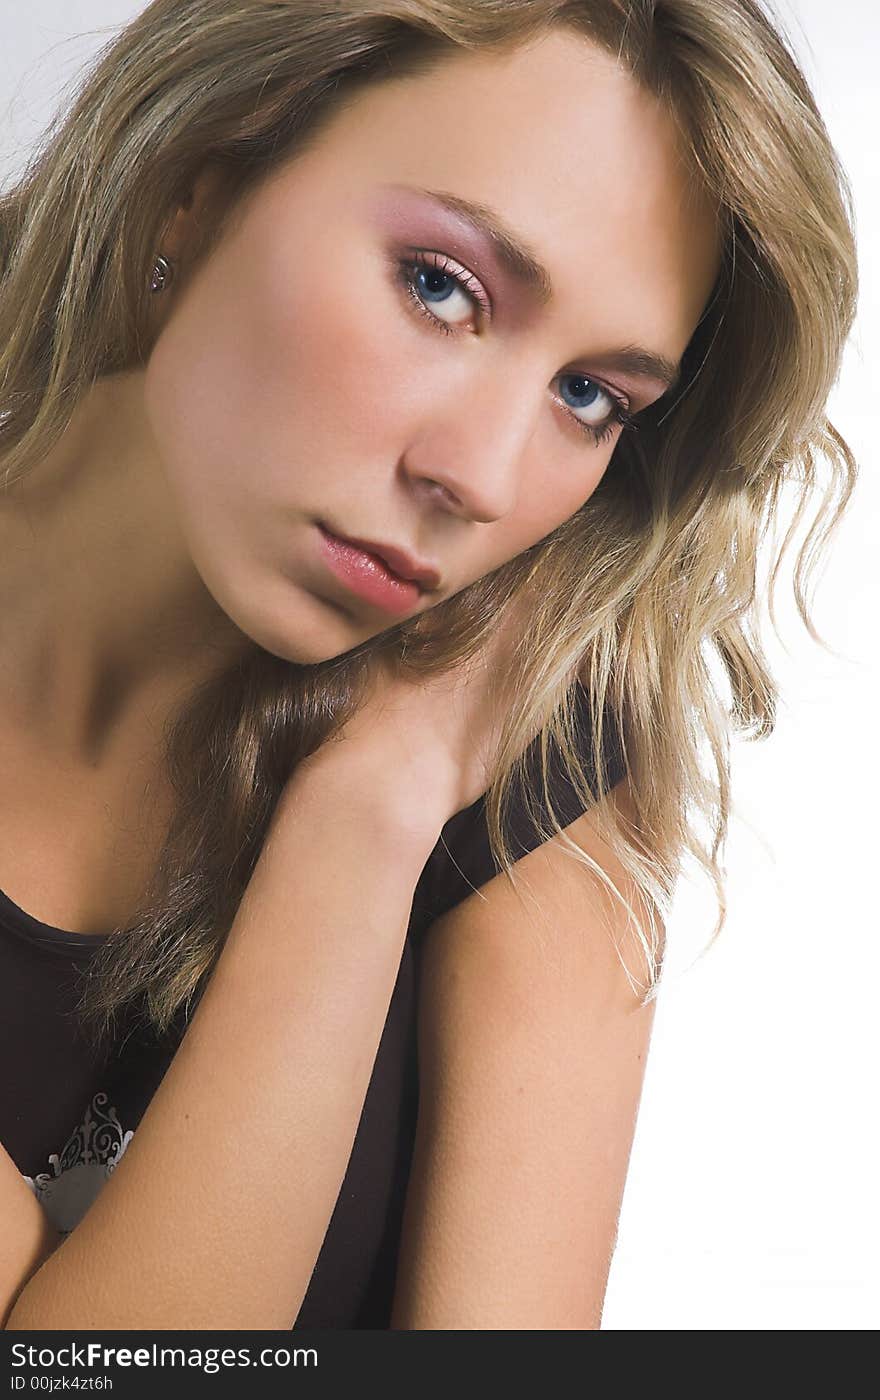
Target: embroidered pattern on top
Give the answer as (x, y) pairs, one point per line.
(76, 1174)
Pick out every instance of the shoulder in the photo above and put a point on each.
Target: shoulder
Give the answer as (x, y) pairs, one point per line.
(555, 933)
(462, 862)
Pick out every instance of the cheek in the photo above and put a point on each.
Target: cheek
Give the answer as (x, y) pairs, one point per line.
(324, 364)
(549, 495)
(261, 379)
(334, 346)
(559, 483)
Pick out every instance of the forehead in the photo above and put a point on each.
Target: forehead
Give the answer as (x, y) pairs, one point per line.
(573, 153)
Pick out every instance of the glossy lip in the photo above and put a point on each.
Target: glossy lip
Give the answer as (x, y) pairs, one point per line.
(397, 561)
(368, 577)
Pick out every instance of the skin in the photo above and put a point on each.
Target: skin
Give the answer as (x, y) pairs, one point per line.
(174, 524)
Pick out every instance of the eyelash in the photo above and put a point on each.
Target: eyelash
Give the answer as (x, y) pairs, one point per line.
(596, 434)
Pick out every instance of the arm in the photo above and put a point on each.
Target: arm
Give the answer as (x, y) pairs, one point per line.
(532, 1050)
(253, 1124)
(28, 1235)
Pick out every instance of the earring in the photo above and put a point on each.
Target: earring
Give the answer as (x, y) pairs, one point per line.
(163, 274)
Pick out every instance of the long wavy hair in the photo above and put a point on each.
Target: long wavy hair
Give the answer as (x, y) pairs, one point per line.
(646, 599)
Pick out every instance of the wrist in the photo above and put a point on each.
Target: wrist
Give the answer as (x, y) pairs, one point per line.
(349, 783)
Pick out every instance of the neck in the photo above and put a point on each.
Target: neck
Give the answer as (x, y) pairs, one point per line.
(103, 615)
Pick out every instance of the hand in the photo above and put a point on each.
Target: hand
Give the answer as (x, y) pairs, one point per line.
(431, 740)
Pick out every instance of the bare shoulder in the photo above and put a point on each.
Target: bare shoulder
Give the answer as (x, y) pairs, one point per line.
(559, 920)
(532, 1050)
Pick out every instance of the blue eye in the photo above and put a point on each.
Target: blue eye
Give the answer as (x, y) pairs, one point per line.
(429, 283)
(432, 279)
(429, 274)
(589, 395)
(585, 395)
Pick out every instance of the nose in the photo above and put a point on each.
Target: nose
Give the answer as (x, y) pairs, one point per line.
(468, 455)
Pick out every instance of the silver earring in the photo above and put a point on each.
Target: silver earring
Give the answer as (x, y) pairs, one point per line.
(163, 273)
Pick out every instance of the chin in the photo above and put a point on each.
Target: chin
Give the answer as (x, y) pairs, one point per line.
(306, 631)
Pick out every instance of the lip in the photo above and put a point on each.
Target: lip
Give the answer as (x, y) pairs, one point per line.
(366, 574)
(398, 562)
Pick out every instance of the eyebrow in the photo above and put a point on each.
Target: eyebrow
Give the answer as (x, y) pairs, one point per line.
(523, 264)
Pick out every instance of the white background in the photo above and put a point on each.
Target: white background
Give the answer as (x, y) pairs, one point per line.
(751, 1201)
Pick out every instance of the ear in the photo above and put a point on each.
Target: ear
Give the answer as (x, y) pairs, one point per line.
(194, 214)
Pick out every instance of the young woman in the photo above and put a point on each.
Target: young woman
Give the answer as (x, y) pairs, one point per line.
(394, 396)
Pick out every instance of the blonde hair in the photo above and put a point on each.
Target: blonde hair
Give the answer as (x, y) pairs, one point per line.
(641, 596)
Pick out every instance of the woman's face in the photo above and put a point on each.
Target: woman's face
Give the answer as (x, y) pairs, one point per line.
(354, 353)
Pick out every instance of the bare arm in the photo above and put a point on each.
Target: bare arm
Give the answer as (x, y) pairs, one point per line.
(215, 1215)
(532, 1049)
(28, 1236)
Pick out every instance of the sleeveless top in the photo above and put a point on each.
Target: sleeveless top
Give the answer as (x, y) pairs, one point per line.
(68, 1113)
